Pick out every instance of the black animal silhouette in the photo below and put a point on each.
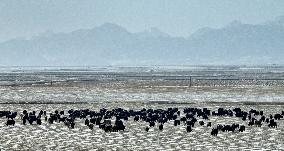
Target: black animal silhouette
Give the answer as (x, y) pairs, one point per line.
(214, 132)
(119, 125)
(278, 116)
(188, 128)
(272, 124)
(242, 128)
(91, 126)
(176, 122)
(10, 122)
(103, 118)
(147, 129)
(136, 118)
(87, 122)
(209, 124)
(258, 123)
(151, 123)
(38, 121)
(161, 127)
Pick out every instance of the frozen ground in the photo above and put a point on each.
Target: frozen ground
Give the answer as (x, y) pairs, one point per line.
(134, 88)
(166, 83)
(58, 137)
(119, 92)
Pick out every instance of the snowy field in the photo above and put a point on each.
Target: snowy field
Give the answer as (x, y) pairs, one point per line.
(166, 83)
(119, 92)
(51, 89)
(59, 137)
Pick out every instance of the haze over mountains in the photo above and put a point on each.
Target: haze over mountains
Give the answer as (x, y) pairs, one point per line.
(110, 44)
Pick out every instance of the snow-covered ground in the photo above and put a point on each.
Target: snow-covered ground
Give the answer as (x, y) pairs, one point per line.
(118, 92)
(135, 88)
(165, 83)
(59, 137)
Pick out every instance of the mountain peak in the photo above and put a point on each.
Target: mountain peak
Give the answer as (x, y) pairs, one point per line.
(109, 44)
(111, 27)
(153, 32)
(200, 32)
(157, 32)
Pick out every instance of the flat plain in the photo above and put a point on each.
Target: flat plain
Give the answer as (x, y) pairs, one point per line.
(33, 90)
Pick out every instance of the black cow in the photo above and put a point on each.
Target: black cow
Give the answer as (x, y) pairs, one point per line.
(214, 132)
(278, 116)
(38, 121)
(209, 124)
(10, 122)
(188, 128)
(242, 128)
(161, 127)
(87, 122)
(91, 126)
(147, 129)
(176, 122)
(272, 124)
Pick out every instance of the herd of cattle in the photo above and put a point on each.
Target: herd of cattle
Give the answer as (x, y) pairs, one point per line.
(189, 117)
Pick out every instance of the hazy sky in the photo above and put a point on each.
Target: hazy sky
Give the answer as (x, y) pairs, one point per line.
(25, 18)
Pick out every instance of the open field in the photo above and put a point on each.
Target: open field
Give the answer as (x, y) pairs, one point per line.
(59, 137)
(122, 91)
(176, 84)
(260, 88)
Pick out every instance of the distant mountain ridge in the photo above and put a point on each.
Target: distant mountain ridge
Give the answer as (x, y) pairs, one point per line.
(110, 44)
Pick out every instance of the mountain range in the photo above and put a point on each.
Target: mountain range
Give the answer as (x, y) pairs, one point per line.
(111, 44)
